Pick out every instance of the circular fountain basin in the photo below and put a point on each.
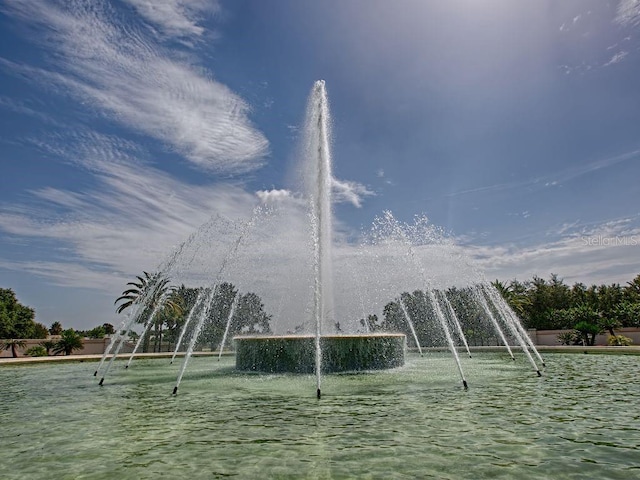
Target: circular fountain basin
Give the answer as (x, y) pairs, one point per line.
(340, 353)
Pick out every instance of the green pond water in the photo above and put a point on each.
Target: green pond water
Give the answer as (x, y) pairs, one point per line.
(580, 420)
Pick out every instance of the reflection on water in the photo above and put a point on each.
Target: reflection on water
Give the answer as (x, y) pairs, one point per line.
(580, 420)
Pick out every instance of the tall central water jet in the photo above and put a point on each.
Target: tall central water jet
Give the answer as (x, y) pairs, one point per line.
(323, 351)
(319, 192)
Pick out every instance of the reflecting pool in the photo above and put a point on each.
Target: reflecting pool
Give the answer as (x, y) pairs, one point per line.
(580, 420)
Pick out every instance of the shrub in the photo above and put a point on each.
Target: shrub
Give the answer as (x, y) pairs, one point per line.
(619, 341)
(569, 338)
(36, 351)
(588, 332)
(69, 341)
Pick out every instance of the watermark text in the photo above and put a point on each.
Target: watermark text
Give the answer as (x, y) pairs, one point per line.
(610, 241)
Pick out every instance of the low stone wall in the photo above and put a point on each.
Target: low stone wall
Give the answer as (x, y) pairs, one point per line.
(90, 346)
(550, 337)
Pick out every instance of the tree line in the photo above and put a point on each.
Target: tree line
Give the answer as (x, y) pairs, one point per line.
(418, 307)
(165, 309)
(540, 304)
(17, 323)
(553, 305)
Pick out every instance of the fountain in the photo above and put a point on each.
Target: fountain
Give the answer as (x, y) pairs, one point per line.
(353, 352)
(330, 294)
(376, 424)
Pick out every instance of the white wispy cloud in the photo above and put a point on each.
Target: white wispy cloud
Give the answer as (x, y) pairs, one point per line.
(343, 191)
(128, 221)
(616, 58)
(595, 253)
(489, 188)
(118, 69)
(73, 275)
(350, 192)
(23, 108)
(563, 176)
(628, 12)
(572, 173)
(176, 17)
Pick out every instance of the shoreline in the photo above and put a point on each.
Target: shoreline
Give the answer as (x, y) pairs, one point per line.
(577, 349)
(98, 357)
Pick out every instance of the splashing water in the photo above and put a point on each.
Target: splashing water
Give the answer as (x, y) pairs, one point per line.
(313, 281)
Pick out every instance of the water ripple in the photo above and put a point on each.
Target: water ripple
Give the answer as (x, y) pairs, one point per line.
(579, 420)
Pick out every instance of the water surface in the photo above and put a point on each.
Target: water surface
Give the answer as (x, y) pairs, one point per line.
(580, 420)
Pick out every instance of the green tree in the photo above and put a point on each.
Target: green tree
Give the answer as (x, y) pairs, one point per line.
(40, 331)
(547, 304)
(608, 324)
(97, 332)
(151, 291)
(219, 310)
(250, 317)
(169, 314)
(474, 320)
(515, 296)
(69, 341)
(587, 322)
(632, 289)
(108, 329)
(16, 320)
(544, 298)
(148, 290)
(420, 311)
(608, 298)
(36, 351)
(628, 313)
(13, 345)
(370, 323)
(48, 345)
(585, 313)
(588, 332)
(174, 322)
(578, 293)
(133, 335)
(560, 319)
(56, 328)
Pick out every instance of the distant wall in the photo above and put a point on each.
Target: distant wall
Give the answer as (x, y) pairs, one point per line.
(550, 337)
(539, 337)
(95, 346)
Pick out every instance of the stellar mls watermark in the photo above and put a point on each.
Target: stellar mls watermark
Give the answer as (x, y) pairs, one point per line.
(609, 241)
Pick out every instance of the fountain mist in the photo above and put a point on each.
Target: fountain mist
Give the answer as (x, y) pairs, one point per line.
(286, 255)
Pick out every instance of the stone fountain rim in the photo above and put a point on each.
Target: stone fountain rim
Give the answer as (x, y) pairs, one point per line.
(311, 335)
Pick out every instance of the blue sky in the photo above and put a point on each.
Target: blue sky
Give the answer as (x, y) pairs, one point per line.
(126, 124)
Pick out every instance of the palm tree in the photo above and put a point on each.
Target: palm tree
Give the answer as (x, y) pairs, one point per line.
(514, 295)
(154, 292)
(69, 341)
(56, 328)
(633, 288)
(608, 324)
(169, 315)
(141, 290)
(48, 345)
(13, 345)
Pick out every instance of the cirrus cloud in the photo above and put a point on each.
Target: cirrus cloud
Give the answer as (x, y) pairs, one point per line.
(118, 69)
